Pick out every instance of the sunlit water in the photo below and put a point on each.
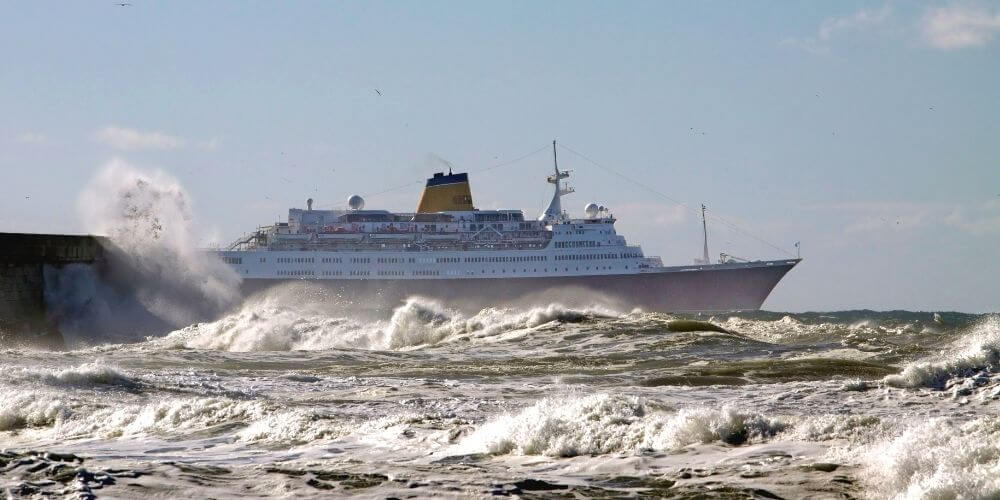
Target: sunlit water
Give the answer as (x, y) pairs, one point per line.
(287, 395)
(296, 393)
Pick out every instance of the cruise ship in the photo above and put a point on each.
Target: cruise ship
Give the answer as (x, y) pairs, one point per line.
(450, 250)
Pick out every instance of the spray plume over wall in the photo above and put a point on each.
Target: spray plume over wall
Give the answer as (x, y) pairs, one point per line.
(156, 277)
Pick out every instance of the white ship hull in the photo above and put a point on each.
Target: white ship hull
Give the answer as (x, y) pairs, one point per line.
(716, 287)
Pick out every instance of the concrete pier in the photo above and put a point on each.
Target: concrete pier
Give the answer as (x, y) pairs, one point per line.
(23, 258)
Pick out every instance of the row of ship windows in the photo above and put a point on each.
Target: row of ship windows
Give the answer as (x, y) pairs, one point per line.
(293, 260)
(233, 260)
(400, 260)
(576, 244)
(438, 260)
(425, 272)
(296, 273)
(595, 256)
(516, 258)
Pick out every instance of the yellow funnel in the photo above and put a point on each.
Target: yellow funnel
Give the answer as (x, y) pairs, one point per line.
(446, 193)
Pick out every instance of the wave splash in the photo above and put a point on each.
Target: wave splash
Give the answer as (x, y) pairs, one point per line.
(938, 459)
(277, 322)
(157, 279)
(81, 376)
(606, 424)
(976, 358)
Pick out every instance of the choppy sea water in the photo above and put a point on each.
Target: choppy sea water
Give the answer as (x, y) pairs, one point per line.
(285, 396)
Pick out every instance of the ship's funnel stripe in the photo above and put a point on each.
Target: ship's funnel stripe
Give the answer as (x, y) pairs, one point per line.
(446, 193)
(440, 179)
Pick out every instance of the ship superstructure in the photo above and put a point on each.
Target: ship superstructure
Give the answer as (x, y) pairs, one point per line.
(448, 248)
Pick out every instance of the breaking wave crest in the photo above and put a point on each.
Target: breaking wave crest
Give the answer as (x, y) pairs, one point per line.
(271, 323)
(85, 375)
(978, 355)
(610, 424)
(156, 280)
(938, 459)
(23, 409)
(55, 415)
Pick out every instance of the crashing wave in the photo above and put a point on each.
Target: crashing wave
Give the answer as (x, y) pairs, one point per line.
(25, 409)
(606, 424)
(977, 356)
(84, 375)
(156, 280)
(57, 417)
(938, 459)
(271, 324)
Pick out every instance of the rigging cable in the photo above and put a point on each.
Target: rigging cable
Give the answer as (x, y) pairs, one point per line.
(725, 222)
(486, 169)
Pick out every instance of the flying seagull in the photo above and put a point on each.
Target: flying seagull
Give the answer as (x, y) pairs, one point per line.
(377, 92)
(123, 4)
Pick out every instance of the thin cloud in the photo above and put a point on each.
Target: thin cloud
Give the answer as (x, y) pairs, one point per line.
(959, 27)
(130, 140)
(653, 213)
(30, 138)
(212, 145)
(834, 27)
(879, 216)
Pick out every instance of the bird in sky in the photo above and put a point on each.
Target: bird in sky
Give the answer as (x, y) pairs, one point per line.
(378, 92)
(123, 4)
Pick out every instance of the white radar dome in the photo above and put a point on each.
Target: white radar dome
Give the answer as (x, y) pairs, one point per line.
(591, 210)
(356, 202)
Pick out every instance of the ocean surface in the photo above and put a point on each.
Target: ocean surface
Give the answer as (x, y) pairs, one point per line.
(287, 396)
(174, 385)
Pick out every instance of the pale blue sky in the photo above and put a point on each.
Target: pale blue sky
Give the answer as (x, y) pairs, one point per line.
(867, 130)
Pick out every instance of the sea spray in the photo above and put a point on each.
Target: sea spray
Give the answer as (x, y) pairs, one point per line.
(155, 269)
(612, 424)
(975, 355)
(283, 320)
(936, 458)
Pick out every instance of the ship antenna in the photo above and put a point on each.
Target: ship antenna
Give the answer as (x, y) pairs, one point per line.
(554, 210)
(555, 158)
(704, 229)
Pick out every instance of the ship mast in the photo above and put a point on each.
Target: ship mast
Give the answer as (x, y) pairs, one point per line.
(554, 210)
(704, 229)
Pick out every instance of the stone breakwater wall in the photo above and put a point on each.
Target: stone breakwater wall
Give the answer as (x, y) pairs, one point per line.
(23, 259)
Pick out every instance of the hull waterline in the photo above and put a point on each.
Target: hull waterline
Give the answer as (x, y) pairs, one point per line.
(706, 288)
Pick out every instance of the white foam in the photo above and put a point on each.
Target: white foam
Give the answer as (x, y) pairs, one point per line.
(293, 427)
(938, 459)
(978, 352)
(157, 270)
(611, 424)
(21, 409)
(274, 323)
(95, 373)
(161, 417)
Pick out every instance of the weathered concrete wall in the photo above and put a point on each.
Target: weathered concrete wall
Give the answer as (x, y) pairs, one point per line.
(22, 282)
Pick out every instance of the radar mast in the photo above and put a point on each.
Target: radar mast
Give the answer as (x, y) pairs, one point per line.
(704, 229)
(554, 211)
